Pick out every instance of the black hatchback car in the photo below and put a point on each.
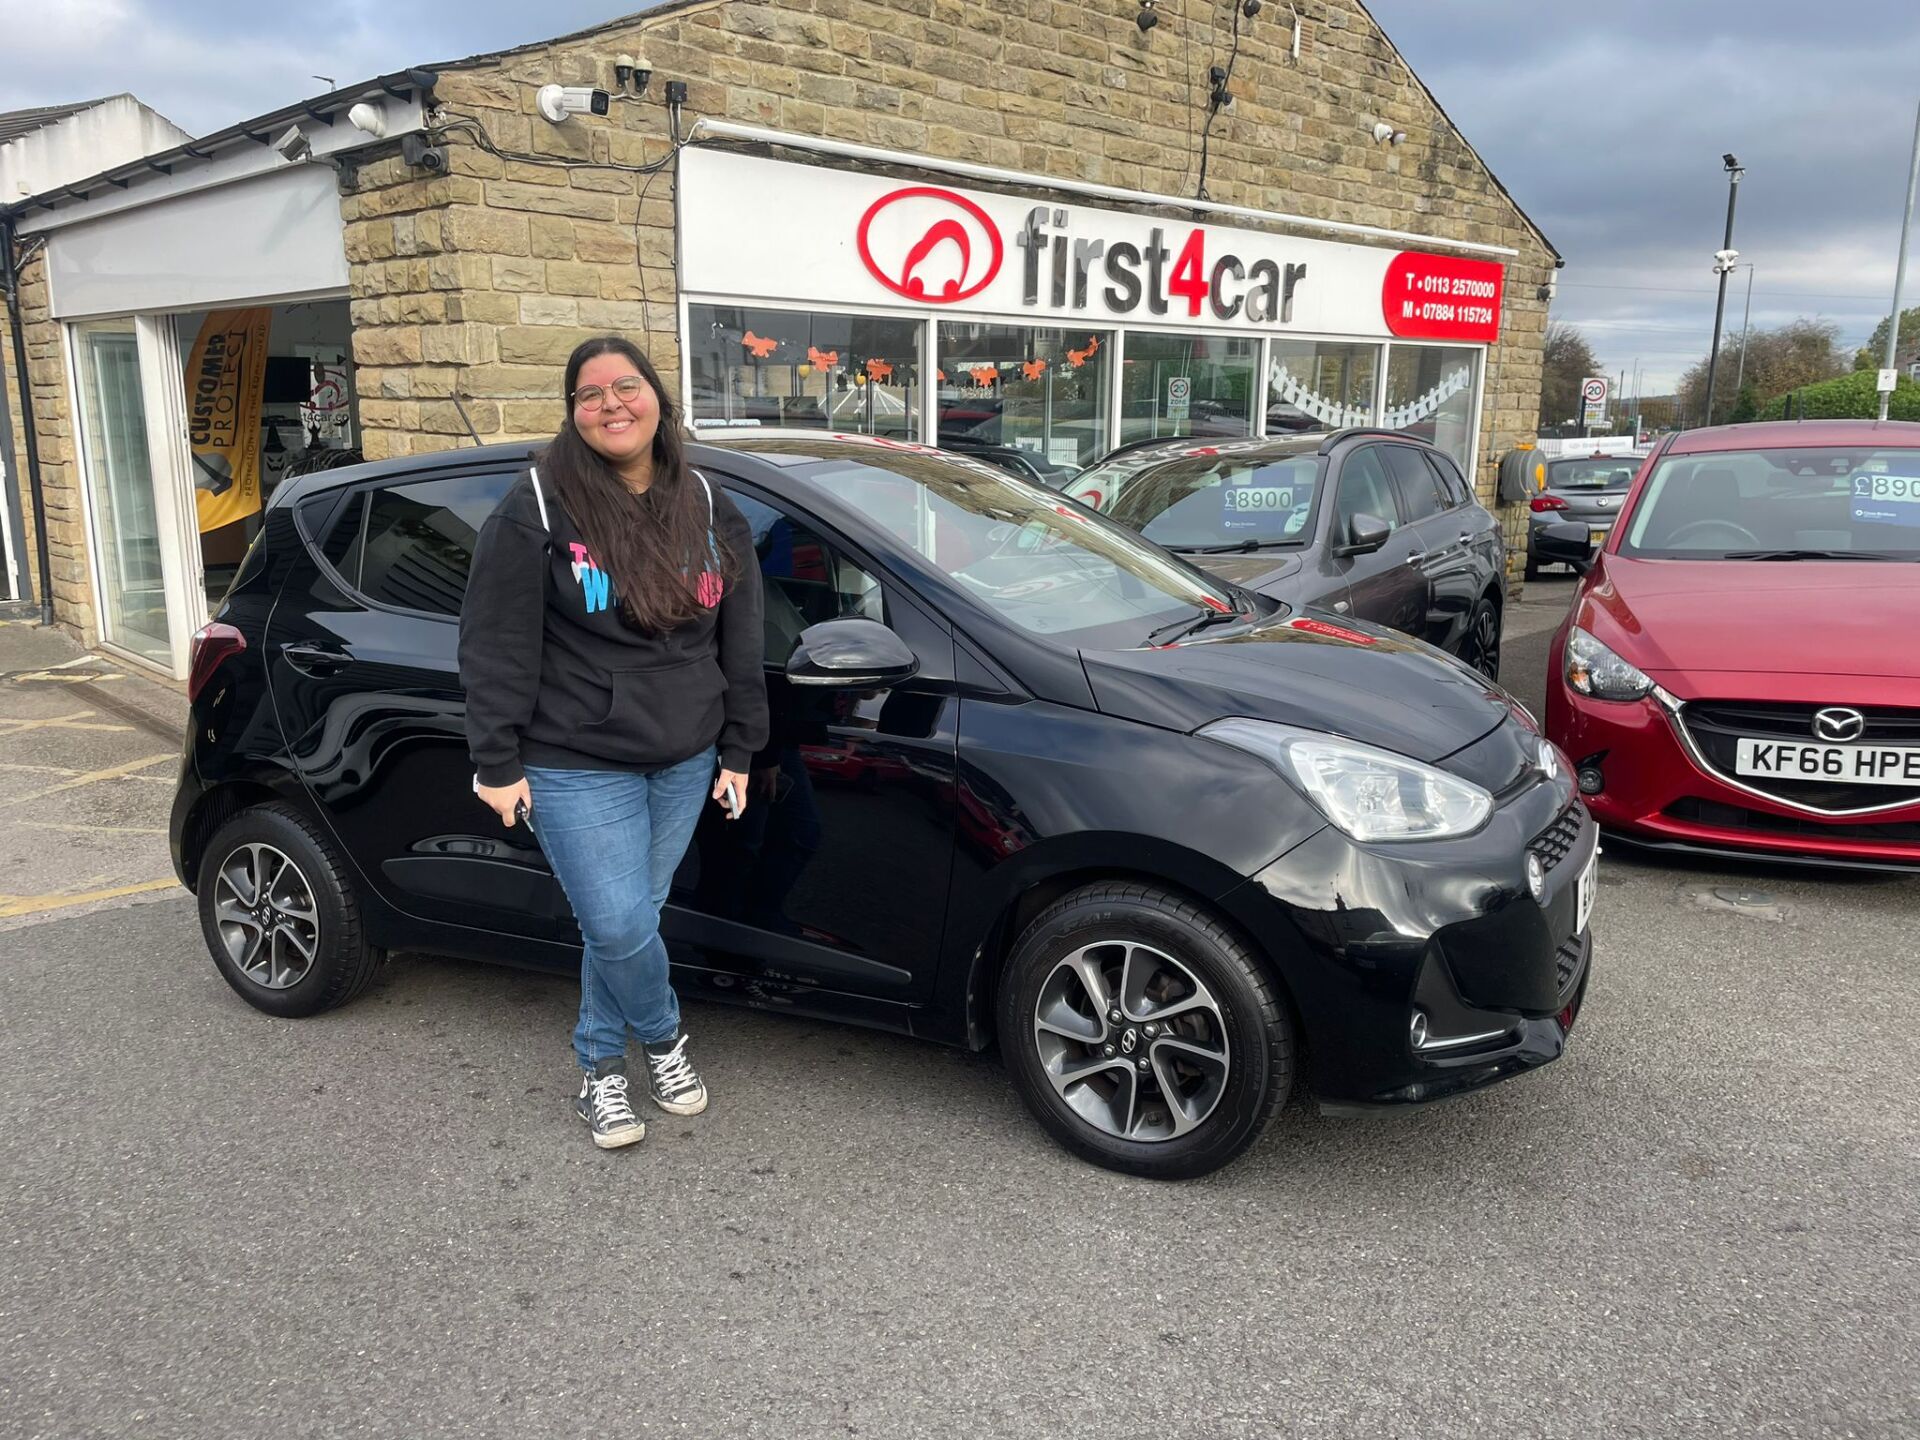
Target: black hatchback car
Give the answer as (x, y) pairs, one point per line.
(1370, 523)
(1031, 780)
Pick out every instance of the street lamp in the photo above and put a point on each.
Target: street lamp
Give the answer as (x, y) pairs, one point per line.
(1724, 261)
(1746, 332)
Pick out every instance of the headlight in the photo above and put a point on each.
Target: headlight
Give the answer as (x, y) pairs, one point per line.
(1593, 669)
(1370, 794)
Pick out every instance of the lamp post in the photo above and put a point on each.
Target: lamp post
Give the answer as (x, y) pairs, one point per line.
(1724, 261)
(1746, 332)
(1900, 267)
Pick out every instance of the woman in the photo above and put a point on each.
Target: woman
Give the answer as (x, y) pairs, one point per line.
(611, 647)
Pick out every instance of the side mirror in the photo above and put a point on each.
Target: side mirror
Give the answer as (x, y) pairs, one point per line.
(851, 653)
(1365, 534)
(1565, 542)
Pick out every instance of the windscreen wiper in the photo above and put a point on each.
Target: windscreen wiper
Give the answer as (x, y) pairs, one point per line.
(1811, 555)
(1180, 629)
(1238, 547)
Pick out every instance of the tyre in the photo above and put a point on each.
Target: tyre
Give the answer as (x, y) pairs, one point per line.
(279, 915)
(1480, 647)
(1142, 1034)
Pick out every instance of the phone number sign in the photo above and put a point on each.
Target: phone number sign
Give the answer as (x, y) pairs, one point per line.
(1443, 297)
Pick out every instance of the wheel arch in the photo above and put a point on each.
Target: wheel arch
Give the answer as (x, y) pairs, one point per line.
(213, 809)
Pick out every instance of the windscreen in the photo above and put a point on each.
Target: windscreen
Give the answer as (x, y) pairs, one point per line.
(1014, 548)
(1222, 500)
(1781, 504)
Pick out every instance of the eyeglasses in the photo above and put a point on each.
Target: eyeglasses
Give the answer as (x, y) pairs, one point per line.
(594, 397)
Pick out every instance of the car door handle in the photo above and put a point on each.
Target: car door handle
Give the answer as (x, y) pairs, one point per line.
(314, 659)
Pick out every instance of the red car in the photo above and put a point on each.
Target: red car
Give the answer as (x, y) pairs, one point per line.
(1740, 670)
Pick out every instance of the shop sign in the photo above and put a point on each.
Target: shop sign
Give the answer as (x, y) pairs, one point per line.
(873, 240)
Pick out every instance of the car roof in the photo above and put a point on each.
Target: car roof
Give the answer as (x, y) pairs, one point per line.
(1796, 434)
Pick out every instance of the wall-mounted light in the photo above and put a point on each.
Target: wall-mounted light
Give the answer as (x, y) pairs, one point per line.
(293, 145)
(1385, 134)
(1148, 16)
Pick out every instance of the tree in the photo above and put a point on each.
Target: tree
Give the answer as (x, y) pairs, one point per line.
(1746, 407)
(1850, 397)
(1874, 351)
(1566, 361)
(1801, 352)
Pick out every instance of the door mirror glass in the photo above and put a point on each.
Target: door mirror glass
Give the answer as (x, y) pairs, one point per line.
(851, 654)
(1565, 543)
(1365, 534)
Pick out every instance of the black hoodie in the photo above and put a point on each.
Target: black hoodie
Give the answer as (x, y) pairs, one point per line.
(555, 678)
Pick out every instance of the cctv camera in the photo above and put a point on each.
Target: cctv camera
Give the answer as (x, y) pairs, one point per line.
(1730, 161)
(557, 102)
(1148, 16)
(417, 151)
(294, 145)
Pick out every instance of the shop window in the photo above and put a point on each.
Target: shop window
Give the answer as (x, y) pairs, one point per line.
(1320, 385)
(411, 546)
(1179, 385)
(1042, 393)
(1430, 394)
(853, 373)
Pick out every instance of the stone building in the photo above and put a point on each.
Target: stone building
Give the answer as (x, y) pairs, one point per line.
(1034, 229)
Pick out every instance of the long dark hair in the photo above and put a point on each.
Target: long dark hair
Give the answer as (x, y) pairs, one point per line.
(654, 546)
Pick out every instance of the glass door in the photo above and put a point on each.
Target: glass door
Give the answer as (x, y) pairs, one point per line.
(129, 548)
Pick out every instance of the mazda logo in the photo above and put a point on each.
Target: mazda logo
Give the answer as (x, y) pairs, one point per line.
(930, 245)
(1839, 724)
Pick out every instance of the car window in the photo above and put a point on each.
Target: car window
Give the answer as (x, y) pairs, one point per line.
(803, 578)
(1365, 490)
(1452, 484)
(1419, 486)
(1837, 500)
(410, 545)
(1015, 549)
(1602, 472)
(1222, 499)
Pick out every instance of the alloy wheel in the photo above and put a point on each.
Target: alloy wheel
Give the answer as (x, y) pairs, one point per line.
(267, 918)
(1485, 642)
(1132, 1041)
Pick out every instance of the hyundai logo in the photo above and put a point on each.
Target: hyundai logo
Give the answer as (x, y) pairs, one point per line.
(1839, 724)
(930, 245)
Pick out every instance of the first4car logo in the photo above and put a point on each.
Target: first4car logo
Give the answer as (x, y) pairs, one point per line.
(930, 234)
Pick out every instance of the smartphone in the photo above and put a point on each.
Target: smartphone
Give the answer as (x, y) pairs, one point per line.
(732, 802)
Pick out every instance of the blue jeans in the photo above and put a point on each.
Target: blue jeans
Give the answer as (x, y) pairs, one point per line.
(614, 840)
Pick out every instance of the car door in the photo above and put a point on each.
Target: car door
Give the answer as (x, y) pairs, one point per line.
(1447, 555)
(836, 877)
(1386, 586)
(363, 668)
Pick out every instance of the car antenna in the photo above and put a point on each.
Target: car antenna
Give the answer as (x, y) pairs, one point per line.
(465, 419)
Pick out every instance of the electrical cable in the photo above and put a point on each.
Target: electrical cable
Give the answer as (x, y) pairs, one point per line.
(1218, 99)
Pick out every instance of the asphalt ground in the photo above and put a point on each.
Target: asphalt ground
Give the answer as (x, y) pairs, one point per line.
(384, 1221)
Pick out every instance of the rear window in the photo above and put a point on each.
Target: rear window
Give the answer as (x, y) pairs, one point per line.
(1609, 472)
(410, 545)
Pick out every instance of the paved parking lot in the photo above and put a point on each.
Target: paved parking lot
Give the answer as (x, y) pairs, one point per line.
(383, 1222)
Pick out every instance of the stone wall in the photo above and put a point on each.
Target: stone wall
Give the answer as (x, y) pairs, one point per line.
(59, 455)
(484, 280)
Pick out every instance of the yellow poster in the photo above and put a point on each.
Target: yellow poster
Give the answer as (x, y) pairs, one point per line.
(226, 384)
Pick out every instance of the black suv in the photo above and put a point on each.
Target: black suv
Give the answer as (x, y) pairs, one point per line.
(1031, 780)
(1370, 523)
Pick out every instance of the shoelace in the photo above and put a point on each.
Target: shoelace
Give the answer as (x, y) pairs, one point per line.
(610, 1103)
(671, 1072)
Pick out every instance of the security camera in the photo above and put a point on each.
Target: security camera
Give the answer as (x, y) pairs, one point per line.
(419, 152)
(1148, 16)
(294, 145)
(1385, 134)
(1730, 161)
(557, 102)
(629, 70)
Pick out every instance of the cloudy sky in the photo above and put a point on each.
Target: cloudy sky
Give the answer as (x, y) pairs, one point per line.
(1607, 122)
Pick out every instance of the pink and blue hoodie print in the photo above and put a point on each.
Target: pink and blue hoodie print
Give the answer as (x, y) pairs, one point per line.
(596, 586)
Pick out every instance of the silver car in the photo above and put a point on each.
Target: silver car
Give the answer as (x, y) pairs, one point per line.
(1589, 490)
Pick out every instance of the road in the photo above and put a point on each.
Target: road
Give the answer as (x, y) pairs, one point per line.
(384, 1222)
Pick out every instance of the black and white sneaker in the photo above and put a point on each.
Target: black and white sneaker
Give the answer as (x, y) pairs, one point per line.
(603, 1104)
(675, 1087)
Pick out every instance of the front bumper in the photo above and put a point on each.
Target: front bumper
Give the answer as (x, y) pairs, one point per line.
(1659, 791)
(1446, 929)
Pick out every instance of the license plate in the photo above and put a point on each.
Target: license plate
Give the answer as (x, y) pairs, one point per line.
(1841, 764)
(1589, 886)
(1598, 537)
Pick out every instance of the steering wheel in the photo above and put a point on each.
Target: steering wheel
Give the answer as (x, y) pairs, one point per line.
(1745, 536)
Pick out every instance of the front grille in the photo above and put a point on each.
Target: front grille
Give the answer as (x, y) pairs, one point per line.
(1568, 961)
(1737, 817)
(1716, 728)
(1556, 842)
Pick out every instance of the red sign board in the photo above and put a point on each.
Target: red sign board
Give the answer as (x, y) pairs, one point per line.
(1443, 297)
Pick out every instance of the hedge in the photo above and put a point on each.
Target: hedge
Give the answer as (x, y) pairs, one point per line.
(1851, 397)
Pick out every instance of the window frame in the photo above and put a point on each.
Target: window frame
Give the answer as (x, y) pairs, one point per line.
(315, 538)
(1397, 521)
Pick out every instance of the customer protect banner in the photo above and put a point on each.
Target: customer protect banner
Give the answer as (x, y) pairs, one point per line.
(226, 384)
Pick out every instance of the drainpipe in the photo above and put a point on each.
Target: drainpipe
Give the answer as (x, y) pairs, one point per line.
(34, 487)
